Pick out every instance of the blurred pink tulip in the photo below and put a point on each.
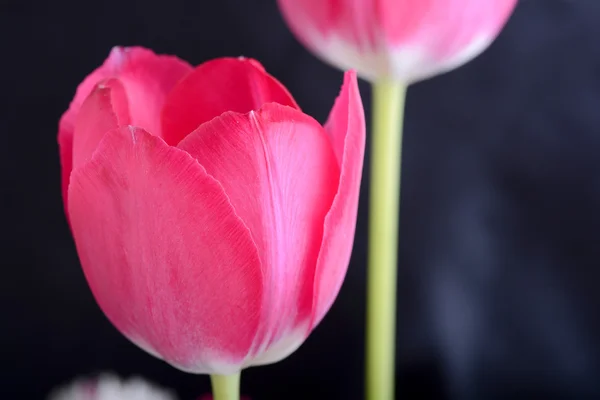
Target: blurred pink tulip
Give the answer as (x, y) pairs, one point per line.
(405, 40)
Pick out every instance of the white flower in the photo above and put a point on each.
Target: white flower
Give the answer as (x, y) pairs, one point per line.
(109, 387)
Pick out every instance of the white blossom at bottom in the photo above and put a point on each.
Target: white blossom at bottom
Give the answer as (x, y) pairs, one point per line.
(110, 387)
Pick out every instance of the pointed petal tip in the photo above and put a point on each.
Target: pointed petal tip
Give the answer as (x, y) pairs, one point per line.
(255, 63)
(116, 53)
(351, 81)
(350, 74)
(120, 55)
(347, 109)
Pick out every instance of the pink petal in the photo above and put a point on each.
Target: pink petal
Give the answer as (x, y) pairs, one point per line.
(65, 145)
(147, 78)
(444, 34)
(166, 257)
(106, 108)
(354, 21)
(346, 127)
(445, 26)
(306, 16)
(278, 168)
(217, 86)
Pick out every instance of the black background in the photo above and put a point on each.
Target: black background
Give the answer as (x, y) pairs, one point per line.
(499, 256)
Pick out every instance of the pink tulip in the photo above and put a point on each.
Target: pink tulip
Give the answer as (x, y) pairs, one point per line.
(214, 220)
(406, 40)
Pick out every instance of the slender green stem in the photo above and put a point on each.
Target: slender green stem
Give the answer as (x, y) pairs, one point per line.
(386, 149)
(226, 387)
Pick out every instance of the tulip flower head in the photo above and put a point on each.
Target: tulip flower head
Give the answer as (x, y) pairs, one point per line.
(404, 40)
(213, 219)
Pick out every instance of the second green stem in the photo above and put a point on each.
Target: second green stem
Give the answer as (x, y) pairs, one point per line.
(386, 150)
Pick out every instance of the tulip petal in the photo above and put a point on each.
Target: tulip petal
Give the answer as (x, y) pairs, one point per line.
(147, 78)
(310, 20)
(278, 168)
(346, 127)
(225, 84)
(166, 257)
(427, 38)
(105, 109)
(314, 21)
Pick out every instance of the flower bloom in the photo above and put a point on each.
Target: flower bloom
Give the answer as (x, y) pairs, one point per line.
(406, 40)
(214, 220)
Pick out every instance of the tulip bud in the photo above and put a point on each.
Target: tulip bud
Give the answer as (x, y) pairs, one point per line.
(404, 40)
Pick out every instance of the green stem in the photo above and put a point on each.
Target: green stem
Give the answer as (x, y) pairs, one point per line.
(386, 149)
(226, 387)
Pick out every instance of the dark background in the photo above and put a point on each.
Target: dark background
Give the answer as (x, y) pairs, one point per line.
(500, 225)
